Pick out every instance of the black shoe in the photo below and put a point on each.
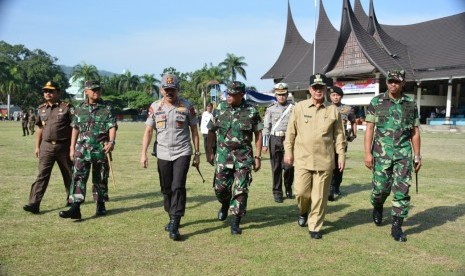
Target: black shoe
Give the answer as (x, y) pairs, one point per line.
(289, 194)
(33, 208)
(396, 230)
(73, 213)
(315, 235)
(174, 231)
(235, 229)
(378, 215)
(168, 226)
(101, 210)
(278, 198)
(223, 212)
(331, 197)
(302, 220)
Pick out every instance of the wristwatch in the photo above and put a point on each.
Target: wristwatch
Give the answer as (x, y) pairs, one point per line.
(112, 141)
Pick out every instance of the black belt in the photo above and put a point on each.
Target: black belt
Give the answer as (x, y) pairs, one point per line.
(54, 142)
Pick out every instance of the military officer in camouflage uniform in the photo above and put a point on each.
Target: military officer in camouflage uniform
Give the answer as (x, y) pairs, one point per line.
(347, 115)
(92, 139)
(233, 125)
(314, 133)
(274, 133)
(52, 144)
(32, 121)
(392, 131)
(172, 117)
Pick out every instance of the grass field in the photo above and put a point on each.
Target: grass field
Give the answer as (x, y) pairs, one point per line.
(131, 240)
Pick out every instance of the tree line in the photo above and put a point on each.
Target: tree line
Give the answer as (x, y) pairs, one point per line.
(23, 72)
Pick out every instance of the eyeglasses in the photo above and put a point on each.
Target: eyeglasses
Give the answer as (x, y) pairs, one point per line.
(283, 95)
(48, 91)
(394, 81)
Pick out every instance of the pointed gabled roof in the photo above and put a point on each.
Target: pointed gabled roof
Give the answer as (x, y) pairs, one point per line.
(326, 40)
(393, 47)
(436, 46)
(292, 53)
(373, 51)
(360, 13)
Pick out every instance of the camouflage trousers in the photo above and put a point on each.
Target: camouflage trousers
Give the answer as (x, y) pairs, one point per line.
(232, 185)
(395, 175)
(83, 160)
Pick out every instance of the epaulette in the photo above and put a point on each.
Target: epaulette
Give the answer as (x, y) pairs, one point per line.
(42, 105)
(64, 104)
(271, 104)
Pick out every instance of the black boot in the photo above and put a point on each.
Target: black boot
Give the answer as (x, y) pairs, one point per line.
(235, 229)
(73, 213)
(174, 232)
(289, 194)
(168, 226)
(396, 230)
(378, 215)
(331, 193)
(101, 210)
(33, 208)
(223, 212)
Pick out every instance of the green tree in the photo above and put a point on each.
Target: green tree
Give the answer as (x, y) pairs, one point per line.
(85, 72)
(234, 65)
(24, 72)
(150, 84)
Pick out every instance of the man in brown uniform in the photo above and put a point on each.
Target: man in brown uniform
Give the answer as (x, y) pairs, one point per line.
(314, 133)
(52, 144)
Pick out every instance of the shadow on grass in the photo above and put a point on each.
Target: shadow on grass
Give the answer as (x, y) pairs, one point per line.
(354, 188)
(349, 220)
(434, 217)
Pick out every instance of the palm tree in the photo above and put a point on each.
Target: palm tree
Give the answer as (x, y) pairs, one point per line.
(85, 72)
(128, 81)
(234, 65)
(206, 78)
(150, 84)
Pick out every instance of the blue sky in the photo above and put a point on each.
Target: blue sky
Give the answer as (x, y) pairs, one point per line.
(145, 36)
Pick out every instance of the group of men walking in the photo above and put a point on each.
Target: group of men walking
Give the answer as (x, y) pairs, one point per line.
(307, 143)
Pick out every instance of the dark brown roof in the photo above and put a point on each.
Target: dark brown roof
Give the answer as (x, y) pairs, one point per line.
(326, 43)
(427, 50)
(293, 51)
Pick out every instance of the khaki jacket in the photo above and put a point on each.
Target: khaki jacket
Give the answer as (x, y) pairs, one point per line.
(313, 135)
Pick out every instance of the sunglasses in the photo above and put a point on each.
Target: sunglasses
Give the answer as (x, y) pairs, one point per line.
(48, 91)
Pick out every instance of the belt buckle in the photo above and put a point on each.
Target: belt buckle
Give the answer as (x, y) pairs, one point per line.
(53, 142)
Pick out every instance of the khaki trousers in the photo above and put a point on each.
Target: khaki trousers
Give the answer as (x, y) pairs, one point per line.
(311, 192)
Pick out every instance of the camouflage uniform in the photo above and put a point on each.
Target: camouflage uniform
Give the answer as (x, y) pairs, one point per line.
(394, 121)
(234, 127)
(93, 123)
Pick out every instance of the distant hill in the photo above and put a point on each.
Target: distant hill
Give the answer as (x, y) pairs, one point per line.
(69, 69)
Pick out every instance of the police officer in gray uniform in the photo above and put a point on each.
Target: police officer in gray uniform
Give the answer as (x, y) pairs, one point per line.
(172, 117)
(274, 132)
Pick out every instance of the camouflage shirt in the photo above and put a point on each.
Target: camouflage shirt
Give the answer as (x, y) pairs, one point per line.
(394, 121)
(234, 127)
(93, 122)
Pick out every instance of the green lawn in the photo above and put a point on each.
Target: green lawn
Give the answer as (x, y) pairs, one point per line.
(131, 240)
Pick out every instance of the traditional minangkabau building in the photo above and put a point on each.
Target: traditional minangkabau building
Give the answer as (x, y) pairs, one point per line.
(359, 54)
